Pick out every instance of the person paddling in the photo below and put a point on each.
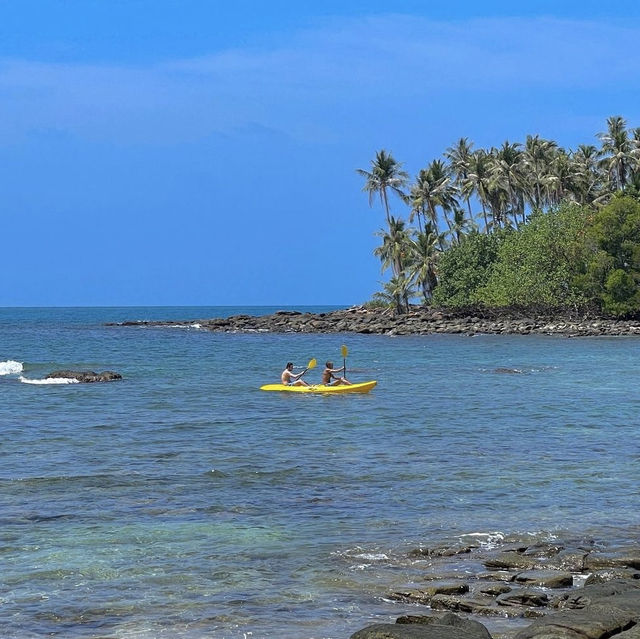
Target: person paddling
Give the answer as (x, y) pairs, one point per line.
(328, 375)
(288, 378)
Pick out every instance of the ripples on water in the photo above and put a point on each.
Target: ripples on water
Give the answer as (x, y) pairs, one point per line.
(184, 502)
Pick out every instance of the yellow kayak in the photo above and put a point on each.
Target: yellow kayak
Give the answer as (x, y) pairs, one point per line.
(361, 387)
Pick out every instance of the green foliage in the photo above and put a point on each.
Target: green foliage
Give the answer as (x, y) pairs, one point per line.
(465, 268)
(377, 303)
(396, 293)
(537, 266)
(621, 295)
(612, 274)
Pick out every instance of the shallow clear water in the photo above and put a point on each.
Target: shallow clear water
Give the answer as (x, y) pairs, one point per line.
(184, 502)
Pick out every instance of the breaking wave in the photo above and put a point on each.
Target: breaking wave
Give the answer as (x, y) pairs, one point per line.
(52, 380)
(11, 367)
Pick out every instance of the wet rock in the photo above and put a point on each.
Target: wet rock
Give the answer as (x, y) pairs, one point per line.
(496, 589)
(512, 560)
(448, 619)
(543, 550)
(523, 598)
(545, 578)
(425, 595)
(475, 605)
(448, 626)
(573, 560)
(599, 621)
(628, 559)
(603, 576)
(618, 589)
(443, 551)
(86, 376)
(499, 575)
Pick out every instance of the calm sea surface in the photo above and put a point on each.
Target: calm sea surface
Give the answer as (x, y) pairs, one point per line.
(184, 502)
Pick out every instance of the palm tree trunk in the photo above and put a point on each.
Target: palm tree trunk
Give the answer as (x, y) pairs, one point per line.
(383, 195)
(484, 215)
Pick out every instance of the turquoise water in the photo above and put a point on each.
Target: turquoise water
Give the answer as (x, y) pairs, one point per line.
(184, 502)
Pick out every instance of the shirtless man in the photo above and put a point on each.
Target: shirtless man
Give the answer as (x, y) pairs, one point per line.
(290, 379)
(328, 375)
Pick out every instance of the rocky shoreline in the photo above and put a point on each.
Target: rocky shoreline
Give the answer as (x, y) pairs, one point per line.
(558, 589)
(419, 321)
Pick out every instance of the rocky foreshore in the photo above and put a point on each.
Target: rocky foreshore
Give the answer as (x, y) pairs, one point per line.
(559, 589)
(419, 321)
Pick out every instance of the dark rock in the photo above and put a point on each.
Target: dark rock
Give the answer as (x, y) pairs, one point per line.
(543, 550)
(499, 575)
(495, 589)
(420, 321)
(425, 595)
(523, 598)
(573, 560)
(611, 574)
(448, 619)
(478, 606)
(595, 593)
(598, 561)
(512, 560)
(86, 376)
(545, 578)
(448, 626)
(599, 621)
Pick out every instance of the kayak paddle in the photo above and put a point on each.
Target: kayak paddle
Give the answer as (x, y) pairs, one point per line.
(312, 364)
(345, 352)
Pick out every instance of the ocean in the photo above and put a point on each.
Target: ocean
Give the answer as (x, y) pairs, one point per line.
(184, 502)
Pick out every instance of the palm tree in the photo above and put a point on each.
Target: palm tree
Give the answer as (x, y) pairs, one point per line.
(427, 193)
(561, 178)
(459, 157)
(617, 152)
(507, 174)
(397, 292)
(423, 260)
(586, 183)
(478, 181)
(393, 251)
(498, 202)
(537, 157)
(460, 226)
(433, 188)
(386, 175)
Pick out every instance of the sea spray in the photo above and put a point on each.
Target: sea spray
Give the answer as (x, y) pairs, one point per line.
(11, 367)
(49, 380)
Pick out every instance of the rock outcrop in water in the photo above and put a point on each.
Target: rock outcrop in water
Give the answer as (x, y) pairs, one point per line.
(420, 321)
(86, 377)
(572, 589)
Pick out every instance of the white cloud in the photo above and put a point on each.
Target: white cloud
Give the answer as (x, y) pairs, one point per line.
(298, 85)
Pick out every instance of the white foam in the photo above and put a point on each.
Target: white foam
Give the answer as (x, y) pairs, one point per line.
(196, 325)
(374, 556)
(50, 380)
(487, 539)
(11, 367)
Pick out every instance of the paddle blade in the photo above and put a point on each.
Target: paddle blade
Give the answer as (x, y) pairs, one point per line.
(344, 351)
(312, 364)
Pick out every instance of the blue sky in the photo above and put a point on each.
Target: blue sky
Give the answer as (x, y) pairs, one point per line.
(196, 152)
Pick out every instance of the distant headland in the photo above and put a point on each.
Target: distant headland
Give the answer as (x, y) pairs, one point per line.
(417, 321)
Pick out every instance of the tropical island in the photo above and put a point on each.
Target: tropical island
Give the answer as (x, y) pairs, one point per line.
(554, 248)
(557, 231)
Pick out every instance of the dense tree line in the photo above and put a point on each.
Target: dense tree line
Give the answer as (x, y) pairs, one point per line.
(528, 225)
